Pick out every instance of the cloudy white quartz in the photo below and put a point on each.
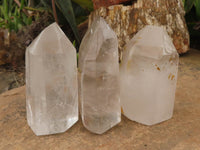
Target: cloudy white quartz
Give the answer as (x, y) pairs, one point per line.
(148, 76)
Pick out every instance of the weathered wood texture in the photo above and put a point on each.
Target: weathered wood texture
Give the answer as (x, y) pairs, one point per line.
(126, 21)
(182, 132)
(105, 3)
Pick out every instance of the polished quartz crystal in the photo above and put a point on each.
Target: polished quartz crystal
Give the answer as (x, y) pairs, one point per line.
(148, 76)
(99, 78)
(51, 82)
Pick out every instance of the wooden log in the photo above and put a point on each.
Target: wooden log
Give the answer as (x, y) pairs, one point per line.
(105, 3)
(126, 21)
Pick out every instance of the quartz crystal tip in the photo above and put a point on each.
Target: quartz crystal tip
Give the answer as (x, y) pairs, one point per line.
(99, 78)
(148, 76)
(51, 82)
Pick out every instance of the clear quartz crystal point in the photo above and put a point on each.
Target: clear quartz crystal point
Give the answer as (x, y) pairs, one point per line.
(148, 76)
(99, 78)
(51, 82)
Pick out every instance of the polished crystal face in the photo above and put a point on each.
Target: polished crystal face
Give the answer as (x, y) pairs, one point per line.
(148, 76)
(51, 82)
(99, 78)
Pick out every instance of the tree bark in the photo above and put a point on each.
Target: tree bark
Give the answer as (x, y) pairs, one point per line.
(105, 3)
(126, 21)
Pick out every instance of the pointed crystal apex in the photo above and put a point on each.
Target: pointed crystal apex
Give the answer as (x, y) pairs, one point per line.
(50, 39)
(148, 76)
(152, 41)
(51, 82)
(99, 79)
